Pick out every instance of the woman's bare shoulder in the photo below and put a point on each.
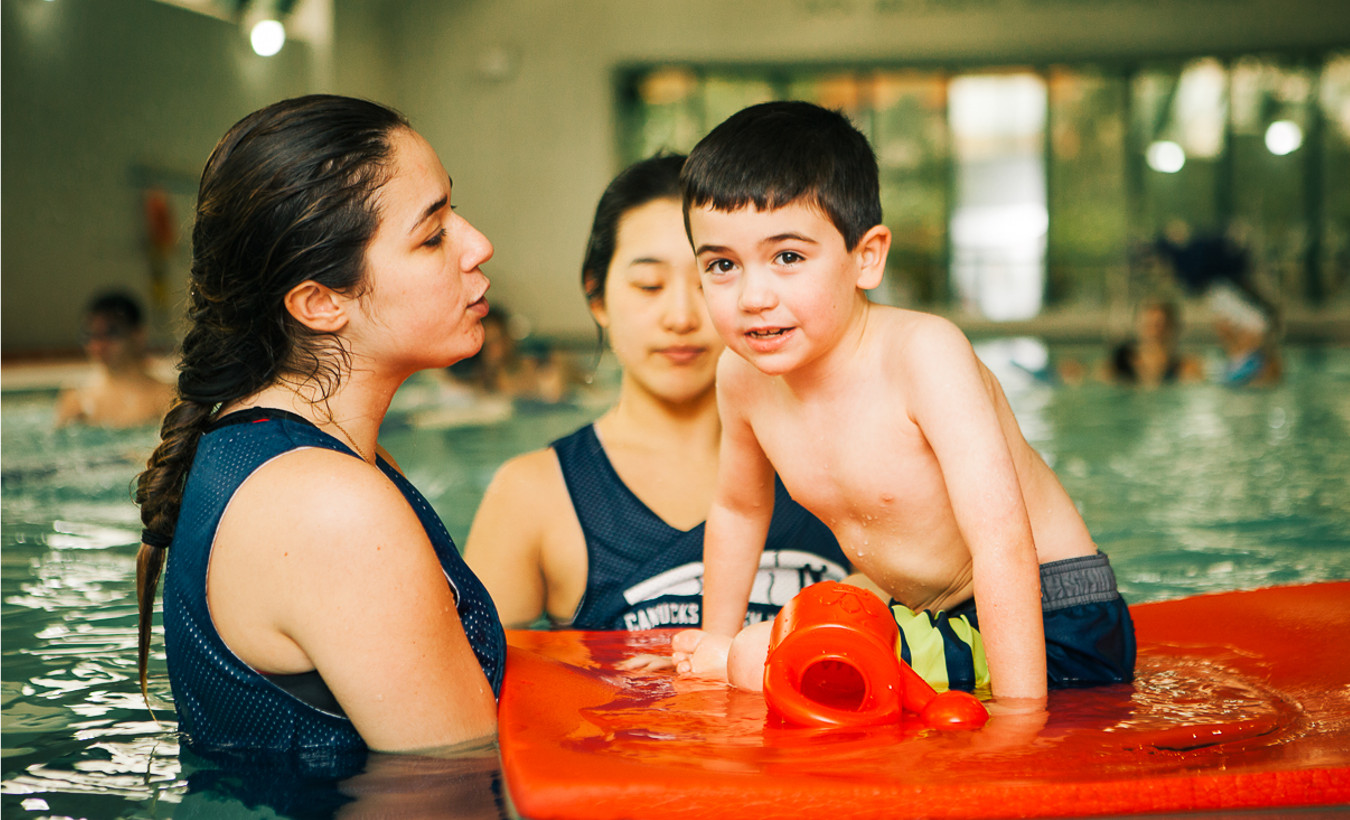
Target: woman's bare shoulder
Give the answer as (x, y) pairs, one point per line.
(323, 502)
(530, 473)
(527, 494)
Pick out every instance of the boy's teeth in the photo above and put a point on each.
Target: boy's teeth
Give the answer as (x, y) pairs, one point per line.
(766, 332)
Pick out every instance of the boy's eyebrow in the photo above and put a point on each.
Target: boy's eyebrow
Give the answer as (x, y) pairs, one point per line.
(790, 236)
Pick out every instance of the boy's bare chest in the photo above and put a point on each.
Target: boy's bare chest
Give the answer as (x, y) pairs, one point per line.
(850, 463)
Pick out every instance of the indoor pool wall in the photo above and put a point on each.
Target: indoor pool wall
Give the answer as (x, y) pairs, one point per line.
(1190, 489)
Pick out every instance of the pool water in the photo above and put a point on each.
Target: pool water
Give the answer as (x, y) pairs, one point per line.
(1189, 489)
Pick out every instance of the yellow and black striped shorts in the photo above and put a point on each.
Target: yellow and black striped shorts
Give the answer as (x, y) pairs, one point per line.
(945, 649)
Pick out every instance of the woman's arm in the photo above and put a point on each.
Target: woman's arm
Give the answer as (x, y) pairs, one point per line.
(321, 564)
(525, 544)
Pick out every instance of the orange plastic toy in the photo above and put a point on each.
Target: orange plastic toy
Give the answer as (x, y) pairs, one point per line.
(832, 662)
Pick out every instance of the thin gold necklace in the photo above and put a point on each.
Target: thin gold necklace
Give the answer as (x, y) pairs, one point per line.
(351, 440)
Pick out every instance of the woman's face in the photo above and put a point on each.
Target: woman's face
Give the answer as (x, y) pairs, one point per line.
(425, 299)
(653, 306)
(1155, 325)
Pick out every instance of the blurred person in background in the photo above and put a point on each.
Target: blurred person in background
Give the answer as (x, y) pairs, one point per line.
(120, 391)
(1152, 357)
(508, 367)
(1247, 335)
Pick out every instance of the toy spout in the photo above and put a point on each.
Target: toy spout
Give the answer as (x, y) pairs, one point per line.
(832, 662)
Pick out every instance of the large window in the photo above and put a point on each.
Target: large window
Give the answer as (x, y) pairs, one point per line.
(1011, 190)
(998, 218)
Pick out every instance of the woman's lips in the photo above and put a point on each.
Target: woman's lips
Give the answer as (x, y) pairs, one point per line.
(682, 354)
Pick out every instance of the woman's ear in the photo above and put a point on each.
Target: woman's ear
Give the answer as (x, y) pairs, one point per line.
(595, 299)
(318, 307)
(871, 253)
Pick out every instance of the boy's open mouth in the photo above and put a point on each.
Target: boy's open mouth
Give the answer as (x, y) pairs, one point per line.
(767, 333)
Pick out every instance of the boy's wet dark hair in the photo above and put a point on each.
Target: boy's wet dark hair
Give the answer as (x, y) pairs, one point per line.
(776, 153)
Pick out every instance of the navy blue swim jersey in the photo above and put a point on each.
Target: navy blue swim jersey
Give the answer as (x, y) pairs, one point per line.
(646, 574)
(225, 706)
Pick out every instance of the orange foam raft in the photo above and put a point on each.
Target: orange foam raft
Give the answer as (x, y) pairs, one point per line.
(1241, 701)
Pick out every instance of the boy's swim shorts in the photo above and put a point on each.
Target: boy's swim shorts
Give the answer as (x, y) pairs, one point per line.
(1089, 637)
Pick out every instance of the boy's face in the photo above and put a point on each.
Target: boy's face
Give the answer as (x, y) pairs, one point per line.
(781, 286)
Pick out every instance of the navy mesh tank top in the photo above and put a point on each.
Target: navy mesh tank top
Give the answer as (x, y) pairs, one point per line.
(645, 574)
(224, 705)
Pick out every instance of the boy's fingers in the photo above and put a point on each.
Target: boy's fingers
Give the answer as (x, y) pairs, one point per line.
(686, 640)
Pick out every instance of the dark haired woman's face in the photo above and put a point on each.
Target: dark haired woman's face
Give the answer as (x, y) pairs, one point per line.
(653, 307)
(425, 301)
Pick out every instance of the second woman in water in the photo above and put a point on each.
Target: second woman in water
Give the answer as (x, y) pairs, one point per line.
(604, 529)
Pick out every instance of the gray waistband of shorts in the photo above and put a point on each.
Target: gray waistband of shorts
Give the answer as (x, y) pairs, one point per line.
(1085, 580)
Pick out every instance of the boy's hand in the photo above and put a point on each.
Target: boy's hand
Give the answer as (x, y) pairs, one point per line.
(700, 654)
(645, 662)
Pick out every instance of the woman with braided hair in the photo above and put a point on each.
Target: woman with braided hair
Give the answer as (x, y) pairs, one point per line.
(314, 605)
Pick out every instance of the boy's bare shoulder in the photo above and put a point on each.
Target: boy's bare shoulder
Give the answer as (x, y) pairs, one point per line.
(736, 374)
(917, 335)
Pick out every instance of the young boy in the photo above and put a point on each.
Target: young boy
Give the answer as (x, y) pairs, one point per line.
(881, 422)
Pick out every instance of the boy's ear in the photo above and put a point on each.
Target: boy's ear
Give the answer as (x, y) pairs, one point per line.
(871, 254)
(318, 307)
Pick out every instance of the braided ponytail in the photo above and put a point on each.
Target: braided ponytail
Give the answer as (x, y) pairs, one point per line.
(286, 197)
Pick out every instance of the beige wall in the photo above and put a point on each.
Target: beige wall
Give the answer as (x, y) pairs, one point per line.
(100, 97)
(531, 152)
(105, 86)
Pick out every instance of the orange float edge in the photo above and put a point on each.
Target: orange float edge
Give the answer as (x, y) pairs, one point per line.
(581, 739)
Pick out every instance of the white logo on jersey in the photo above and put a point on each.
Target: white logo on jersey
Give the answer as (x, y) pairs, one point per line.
(782, 574)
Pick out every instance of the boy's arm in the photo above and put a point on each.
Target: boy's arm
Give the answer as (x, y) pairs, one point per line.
(957, 412)
(738, 521)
